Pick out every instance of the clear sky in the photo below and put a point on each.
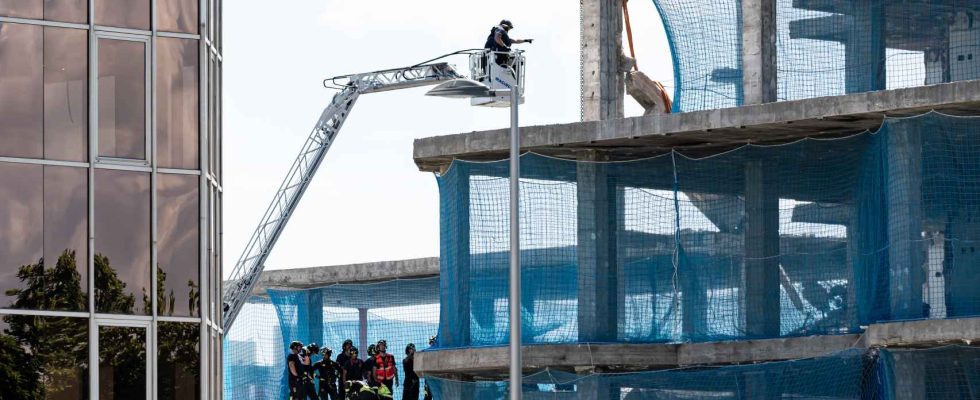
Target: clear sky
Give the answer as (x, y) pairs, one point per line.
(369, 202)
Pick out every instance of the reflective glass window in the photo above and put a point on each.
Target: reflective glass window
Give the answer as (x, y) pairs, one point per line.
(21, 221)
(178, 364)
(177, 15)
(134, 14)
(43, 238)
(122, 242)
(122, 363)
(65, 94)
(75, 11)
(21, 80)
(178, 245)
(57, 350)
(177, 103)
(122, 99)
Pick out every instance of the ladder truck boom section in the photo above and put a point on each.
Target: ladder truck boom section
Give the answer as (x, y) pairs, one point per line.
(247, 270)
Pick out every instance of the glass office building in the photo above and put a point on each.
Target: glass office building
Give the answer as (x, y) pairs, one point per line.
(110, 199)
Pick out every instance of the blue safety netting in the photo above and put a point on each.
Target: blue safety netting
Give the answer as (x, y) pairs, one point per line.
(943, 373)
(823, 48)
(398, 311)
(818, 236)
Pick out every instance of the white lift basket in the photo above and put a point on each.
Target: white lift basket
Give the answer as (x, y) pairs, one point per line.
(500, 71)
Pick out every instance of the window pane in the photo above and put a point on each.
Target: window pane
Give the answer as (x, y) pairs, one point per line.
(21, 236)
(122, 242)
(179, 361)
(133, 14)
(122, 363)
(48, 209)
(65, 94)
(21, 80)
(177, 103)
(53, 10)
(57, 347)
(66, 11)
(177, 16)
(122, 99)
(21, 8)
(178, 248)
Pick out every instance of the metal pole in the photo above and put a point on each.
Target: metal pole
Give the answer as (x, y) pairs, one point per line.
(515, 249)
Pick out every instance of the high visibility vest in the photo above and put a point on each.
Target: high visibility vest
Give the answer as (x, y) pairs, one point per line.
(385, 366)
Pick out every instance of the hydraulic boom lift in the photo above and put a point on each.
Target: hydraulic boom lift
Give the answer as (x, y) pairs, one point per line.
(247, 270)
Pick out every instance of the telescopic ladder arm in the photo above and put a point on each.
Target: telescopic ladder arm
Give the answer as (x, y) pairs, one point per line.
(247, 270)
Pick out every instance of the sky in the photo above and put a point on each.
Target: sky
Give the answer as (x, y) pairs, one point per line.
(369, 202)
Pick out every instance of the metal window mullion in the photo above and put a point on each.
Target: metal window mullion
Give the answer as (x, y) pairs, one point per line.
(93, 133)
(203, 185)
(41, 22)
(45, 313)
(177, 35)
(151, 136)
(38, 161)
(174, 171)
(124, 167)
(126, 31)
(191, 320)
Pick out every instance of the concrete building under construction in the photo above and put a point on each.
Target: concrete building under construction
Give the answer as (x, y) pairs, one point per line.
(802, 224)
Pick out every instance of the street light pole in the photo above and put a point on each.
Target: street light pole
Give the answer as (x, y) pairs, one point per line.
(515, 249)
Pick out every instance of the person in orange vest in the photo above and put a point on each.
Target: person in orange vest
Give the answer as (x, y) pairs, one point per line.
(385, 369)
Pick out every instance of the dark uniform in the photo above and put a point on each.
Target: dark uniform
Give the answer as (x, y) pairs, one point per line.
(342, 359)
(328, 371)
(368, 371)
(491, 44)
(411, 389)
(308, 377)
(297, 390)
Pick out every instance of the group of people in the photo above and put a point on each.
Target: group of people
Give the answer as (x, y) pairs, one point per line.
(349, 377)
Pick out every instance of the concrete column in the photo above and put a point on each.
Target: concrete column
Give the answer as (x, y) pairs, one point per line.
(761, 273)
(906, 246)
(864, 49)
(455, 232)
(598, 294)
(694, 304)
(756, 386)
(602, 59)
(362, 331)
(594, 388)
(910, 376)
(315, 317)
(759, 51)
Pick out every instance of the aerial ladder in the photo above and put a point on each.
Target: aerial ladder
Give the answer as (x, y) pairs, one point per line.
(245, 275)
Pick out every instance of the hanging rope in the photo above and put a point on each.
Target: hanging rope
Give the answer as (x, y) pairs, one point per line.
(629, 34)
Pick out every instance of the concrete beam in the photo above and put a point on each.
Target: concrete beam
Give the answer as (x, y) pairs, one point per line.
(707, 132)
(306, 278)
(603, 79)
(758, 51)
(492, 361)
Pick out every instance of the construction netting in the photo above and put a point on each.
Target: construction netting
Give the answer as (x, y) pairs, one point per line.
(818, 236)
(400, 312)
(943, 373)
(823, 48)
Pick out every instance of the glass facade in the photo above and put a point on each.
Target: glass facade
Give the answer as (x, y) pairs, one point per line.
(110, 199)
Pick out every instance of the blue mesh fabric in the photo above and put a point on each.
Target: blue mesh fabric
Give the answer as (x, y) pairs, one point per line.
(823, 48)
(819, 236)
(951, 372)
(845, 375)
(256, 348)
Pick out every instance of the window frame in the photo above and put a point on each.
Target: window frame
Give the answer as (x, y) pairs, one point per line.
(147, 93)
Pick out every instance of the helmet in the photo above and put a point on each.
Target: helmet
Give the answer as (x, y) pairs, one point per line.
(371, 350)
(326, 351)
(348, 342)
(353, 349)
(313, 348)
(295, 344)
(411, 346)
(383, 342)
(507, 24)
